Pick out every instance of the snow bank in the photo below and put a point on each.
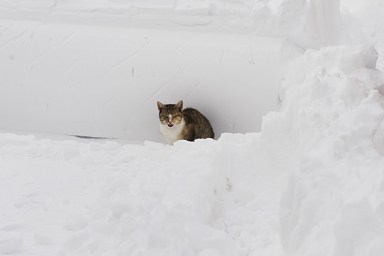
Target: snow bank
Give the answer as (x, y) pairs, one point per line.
(333, 113)
(69, 197)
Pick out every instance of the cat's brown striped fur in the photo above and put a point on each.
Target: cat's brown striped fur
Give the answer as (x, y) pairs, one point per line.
(177, 123)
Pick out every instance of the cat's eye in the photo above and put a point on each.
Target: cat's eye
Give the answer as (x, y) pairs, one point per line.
(176, 117)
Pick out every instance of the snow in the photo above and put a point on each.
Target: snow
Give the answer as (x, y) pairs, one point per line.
(305, 177)
(72, 197)
(336, 186)
(139, 67)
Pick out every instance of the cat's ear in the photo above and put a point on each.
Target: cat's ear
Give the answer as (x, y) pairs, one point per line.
(179, 105)
(160, 105)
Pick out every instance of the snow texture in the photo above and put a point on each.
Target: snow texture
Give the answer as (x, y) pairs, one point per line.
(311, 182)
(334, 101)
(105, 82)
(68, 197)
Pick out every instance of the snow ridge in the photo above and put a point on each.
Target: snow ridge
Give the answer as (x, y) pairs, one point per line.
(333, 206)
(71, 197)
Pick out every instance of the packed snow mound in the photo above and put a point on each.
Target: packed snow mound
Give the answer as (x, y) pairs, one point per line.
(71, 197)
(333, 107)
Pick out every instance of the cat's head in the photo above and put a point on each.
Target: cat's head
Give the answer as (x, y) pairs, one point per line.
(170, 114)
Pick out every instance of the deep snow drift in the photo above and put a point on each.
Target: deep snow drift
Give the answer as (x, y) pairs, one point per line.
(310, 183)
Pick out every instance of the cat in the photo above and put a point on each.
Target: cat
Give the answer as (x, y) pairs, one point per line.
(188, 124)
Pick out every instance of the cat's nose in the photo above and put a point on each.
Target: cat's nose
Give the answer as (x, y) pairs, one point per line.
(170, 125)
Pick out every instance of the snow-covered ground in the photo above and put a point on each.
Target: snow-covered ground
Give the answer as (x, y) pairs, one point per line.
(311, 182)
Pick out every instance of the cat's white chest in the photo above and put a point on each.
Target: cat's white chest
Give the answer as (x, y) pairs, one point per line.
(172, 134)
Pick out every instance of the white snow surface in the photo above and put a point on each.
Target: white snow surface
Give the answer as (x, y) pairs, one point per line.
(105, 81)
(311, 182)
(334, 109)
(67, 197)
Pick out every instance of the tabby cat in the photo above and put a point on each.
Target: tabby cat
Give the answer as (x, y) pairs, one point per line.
(177, 123)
